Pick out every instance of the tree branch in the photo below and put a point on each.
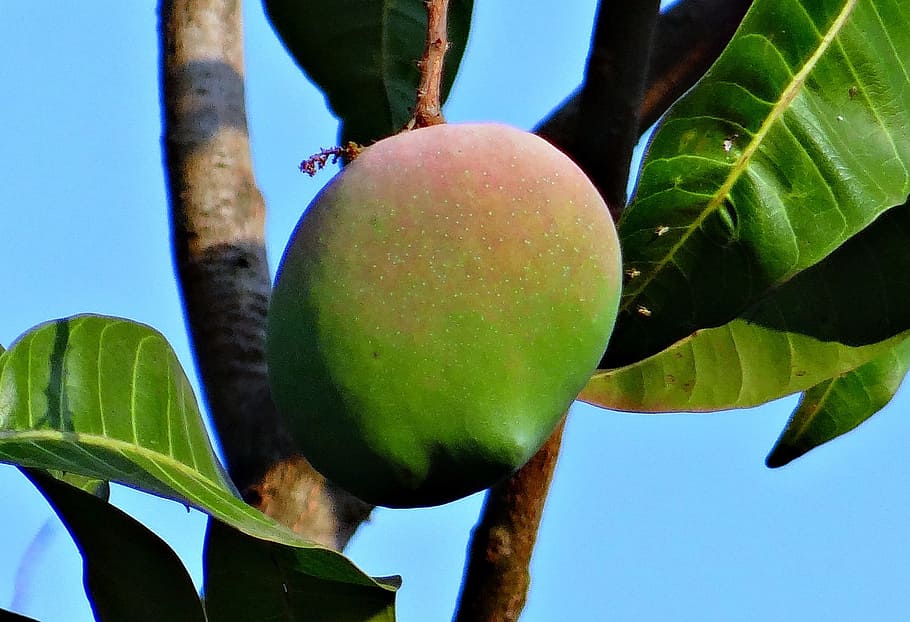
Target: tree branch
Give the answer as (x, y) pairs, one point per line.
(611, 98)
(428, 109)
(687, 40)
(496, 582)
(598, 127)
(217, 219)
(691, 36)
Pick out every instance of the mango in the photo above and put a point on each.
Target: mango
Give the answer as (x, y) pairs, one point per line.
(439, 306)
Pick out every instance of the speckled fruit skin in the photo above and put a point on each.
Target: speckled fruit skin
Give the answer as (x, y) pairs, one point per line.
(439, 306)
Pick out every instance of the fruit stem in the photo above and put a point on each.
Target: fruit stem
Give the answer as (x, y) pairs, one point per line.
(428, 109)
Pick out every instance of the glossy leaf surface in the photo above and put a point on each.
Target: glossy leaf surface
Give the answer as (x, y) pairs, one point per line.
(363, 55)
(107, 398)
(828, 320)
(796, 139)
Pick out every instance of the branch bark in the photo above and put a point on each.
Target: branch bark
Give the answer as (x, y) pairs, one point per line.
(217, 220)
(428, 109)
(692, 35)
(687, 40)
(610, 101)
(496, 582)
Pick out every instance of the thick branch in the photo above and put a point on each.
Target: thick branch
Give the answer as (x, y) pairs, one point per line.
(690, 37)
(612, 94)
(428, 110)
(217, 218)
(496, 582)
(687, 40)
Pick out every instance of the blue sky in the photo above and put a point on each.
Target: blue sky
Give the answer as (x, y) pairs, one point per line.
(650, 517)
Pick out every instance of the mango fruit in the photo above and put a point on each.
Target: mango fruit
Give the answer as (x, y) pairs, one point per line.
(439, 306)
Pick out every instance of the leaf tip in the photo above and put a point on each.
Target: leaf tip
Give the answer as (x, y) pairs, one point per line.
(783, 454)
(775, 460)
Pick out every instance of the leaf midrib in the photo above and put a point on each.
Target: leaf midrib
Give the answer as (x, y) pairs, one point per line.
(92, 442)
(110, 444)
(717, 199)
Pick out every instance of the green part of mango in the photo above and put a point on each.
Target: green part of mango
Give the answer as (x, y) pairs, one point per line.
(441, 303)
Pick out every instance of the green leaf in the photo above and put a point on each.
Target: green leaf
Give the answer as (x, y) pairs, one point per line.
(738, 365)
(10, 616)
(107, 398)
(363, 55)
(98, 487)
(796, 139)
(838, 405)
(128, 571)
(277, 584)
(828, 320)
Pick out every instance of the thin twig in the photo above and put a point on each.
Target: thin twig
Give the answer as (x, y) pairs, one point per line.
(496, 582)
(428, 109)
(217, 218)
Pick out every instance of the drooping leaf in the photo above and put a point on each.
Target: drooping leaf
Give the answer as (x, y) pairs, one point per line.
(796, 139)
(828, 320)
(838, 405)
(251, 579)
(738, 365)
(107, 398)
(129, 573)
(363, 55)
